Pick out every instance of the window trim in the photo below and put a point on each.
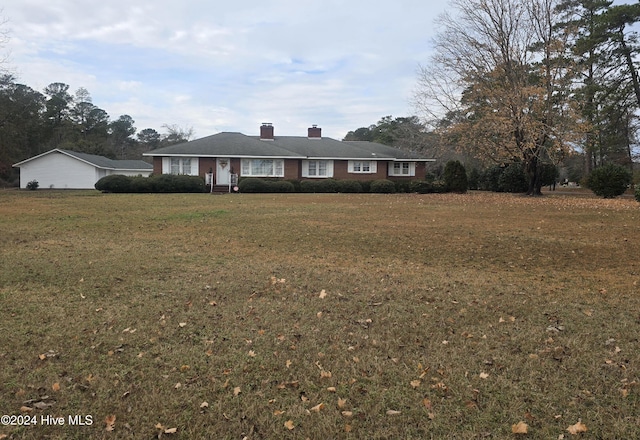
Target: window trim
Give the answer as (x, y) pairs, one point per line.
(328, 168)
(411, 169)
(167, 165)
(358, 166)
(247, 168)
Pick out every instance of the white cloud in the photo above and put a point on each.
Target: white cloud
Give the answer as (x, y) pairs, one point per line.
(228, 66)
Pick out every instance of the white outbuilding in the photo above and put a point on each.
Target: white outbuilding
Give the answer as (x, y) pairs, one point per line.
(65, 169)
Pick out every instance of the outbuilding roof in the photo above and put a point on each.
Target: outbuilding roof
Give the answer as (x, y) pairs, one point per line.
(97, 161)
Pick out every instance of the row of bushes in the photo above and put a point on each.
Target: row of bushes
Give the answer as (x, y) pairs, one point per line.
(382, 186)
(510, 178)
(162, 183)
(607, 181)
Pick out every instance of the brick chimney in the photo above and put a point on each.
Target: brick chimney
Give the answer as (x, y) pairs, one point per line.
(315, 132)
(266, 131)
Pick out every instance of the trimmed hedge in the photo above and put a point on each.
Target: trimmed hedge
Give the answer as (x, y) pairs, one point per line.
(383, 186)
(255, 185)
(428, 187)
(348, 186)
(116, 183)
(163, 183)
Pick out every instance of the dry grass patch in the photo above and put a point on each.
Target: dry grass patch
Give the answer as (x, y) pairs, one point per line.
(310, 316)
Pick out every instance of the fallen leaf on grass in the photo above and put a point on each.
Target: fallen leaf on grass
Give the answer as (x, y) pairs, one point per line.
(236, 391)
(278, 412)
(182, 324)
(484, 375)
(288, 363)
(55, 387)
(577, 428)
(415, 383)
(318, 407)
(323, 294)
(347, 413)
(25, 409)
(520, 428)
(204, 405)
(166, 430)
(393, 412)
(325, 374)
(289, 425)
(252, 353)
(342, 402)
(110, 422)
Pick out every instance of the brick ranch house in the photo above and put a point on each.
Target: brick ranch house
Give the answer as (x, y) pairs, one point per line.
(287, 157)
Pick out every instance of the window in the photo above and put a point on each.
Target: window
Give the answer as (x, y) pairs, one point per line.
(180, 165)
(317, 168)
(263, 167)
(363, 166)
(402, 168)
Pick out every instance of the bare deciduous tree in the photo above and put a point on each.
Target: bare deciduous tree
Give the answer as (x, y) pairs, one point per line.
(495, 84)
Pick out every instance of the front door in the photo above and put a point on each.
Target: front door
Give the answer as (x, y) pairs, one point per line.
(222, 171)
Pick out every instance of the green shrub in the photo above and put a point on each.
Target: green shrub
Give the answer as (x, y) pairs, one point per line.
(114, 183)
(33, 185)
(188, 184)
(513, 179)
(252, 185)
(280, 186)
(455, 177)
(490, 178)
(348, 186)
(402, 186)
(327, 186)
(428, 187)
(256, 185)
(366, 185)
(383, 186)
(421, 186)
(474, 179)
(609, 181)
(140, 184)
(164, 183)
(319, 186)
(309, 186)
(296, 184)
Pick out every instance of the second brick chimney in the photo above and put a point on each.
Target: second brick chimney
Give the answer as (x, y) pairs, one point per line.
(266, 131)
(315, 132)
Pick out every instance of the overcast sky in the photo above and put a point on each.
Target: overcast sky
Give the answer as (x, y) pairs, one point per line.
(228, 66)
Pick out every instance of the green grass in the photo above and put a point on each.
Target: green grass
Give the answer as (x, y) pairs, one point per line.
(465, 314)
